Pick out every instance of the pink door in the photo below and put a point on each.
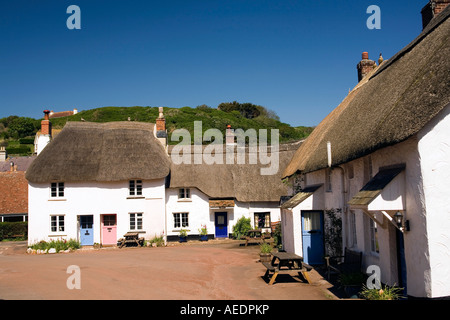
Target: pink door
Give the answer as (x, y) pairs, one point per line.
(109, 229)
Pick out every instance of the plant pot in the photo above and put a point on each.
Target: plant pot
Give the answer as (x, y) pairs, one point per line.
(203, 237)
(182, 239)
(265, 257)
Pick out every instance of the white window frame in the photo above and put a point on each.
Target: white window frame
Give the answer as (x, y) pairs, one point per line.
(60, 224)
(135, 188)
(136, 218)
(180, 220)
(184, 194)
(59, 188)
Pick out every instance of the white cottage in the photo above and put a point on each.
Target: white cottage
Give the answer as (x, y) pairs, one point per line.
(380, 163)
(218, 195)
(96, 181)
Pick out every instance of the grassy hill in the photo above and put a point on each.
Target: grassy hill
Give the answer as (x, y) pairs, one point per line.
(177, 118)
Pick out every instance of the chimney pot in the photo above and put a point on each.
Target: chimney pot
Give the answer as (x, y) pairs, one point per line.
(365, 55)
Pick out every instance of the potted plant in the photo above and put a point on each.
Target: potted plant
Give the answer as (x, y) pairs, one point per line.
(183, 235)
(203, 233)
(265, 252)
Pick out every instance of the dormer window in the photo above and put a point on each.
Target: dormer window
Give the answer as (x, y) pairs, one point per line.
(184, 193)
(135, 187)
(57, 190)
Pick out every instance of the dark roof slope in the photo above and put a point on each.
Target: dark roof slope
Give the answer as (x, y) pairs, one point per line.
(113, 151)
(388, 106)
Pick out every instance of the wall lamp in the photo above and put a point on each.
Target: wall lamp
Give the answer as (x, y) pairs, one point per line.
(401, 223)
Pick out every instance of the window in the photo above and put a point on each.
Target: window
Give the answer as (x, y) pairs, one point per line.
(374, 237)
(181, 220)
(57, 190)
(135, 187)
(184, 193)
(57, 223)
(135, 221)
(262, 220)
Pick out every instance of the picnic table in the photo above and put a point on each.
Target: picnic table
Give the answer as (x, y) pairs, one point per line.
(131, 238)
(255, 235)
(285, 262)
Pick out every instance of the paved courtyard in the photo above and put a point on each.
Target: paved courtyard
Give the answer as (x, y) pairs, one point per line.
(216, 270)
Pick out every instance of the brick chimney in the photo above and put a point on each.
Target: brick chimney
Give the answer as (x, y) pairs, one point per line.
(161, 132)
(46, 126)
(365, 66)
(432, 9)
(46, 133)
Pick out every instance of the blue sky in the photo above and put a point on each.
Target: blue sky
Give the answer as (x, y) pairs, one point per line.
(297, 58)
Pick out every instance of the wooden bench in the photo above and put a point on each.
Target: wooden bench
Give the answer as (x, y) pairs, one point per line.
(287, 263)
(131, 238)
(256, 236)
(350, 262)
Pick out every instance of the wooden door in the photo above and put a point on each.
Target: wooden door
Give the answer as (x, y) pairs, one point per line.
(221, 224)
(109, 229)
(312, 237)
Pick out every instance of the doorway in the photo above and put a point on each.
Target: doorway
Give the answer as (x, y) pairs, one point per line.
(87, 230)
(221, 223)
(109, 229)
(312, 237)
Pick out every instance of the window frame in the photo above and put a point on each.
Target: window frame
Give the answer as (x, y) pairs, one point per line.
(59, 220)
(184, 194)
(57, 190)
(136, 218)
(180, 220)
(265, 214)
(135, 188)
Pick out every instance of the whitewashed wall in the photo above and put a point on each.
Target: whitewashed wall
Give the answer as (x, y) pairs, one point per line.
(200, 213)
(434, 149)
(95, 198)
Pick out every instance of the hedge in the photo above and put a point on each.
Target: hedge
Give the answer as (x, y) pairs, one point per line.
(11, 229)
(18, 150)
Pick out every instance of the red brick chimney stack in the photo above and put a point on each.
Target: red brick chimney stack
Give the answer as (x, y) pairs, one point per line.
(46, 126)
(432, 9)
(365, 66)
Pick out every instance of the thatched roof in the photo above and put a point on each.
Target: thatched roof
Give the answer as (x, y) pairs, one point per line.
(243, 182)
(390, 105)
(113, 151)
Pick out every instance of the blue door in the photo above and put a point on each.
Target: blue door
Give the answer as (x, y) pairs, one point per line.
(221, 225)
(312, 237)
(86, 230)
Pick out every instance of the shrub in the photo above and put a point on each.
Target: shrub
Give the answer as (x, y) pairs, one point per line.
(242, 226)
(385, 293)
(265, 248)
(10, 229)
(59, 245)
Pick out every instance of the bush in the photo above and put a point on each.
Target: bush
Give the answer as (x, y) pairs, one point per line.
(18, 150)
(241, 228)
(26, 141)
(10, 229)
(59, 245)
